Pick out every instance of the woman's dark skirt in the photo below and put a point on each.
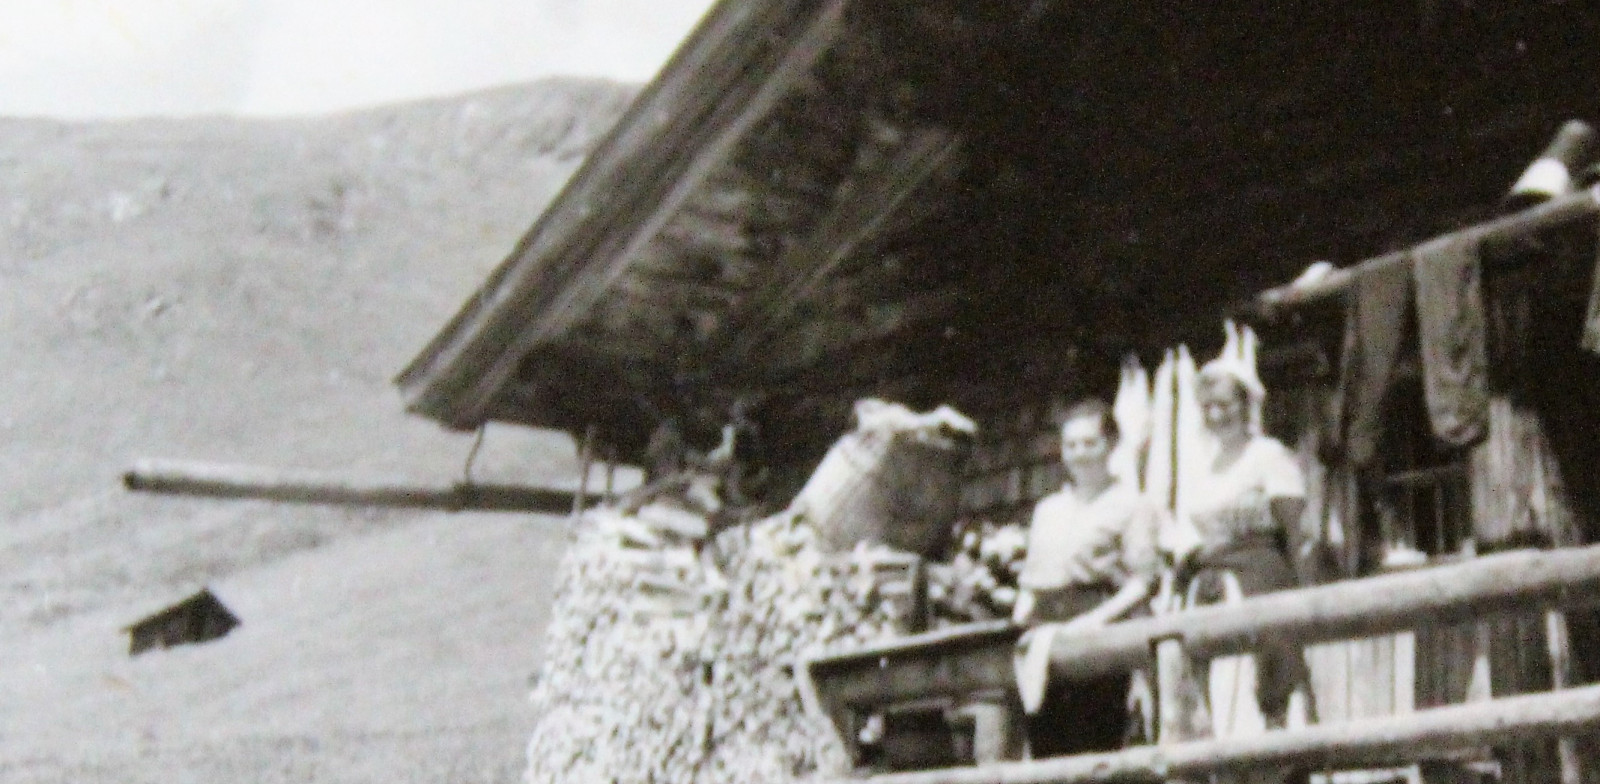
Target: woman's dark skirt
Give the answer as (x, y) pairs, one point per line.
(1260, 567)
(1081, 716)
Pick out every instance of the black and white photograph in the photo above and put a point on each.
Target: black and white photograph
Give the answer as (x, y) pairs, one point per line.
(799, 392)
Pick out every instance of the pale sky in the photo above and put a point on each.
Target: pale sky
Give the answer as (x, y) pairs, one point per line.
(118, 58)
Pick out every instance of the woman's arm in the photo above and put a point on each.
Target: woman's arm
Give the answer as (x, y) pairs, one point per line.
(1286, 514)
(1022, 613)
(1132, 593)
(1284, 483)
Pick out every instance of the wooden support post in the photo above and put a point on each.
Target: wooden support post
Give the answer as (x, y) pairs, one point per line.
(1559, 643)
(611, 474)
(917, 620)
(1180, 704)
(997, 734)
(585, 462)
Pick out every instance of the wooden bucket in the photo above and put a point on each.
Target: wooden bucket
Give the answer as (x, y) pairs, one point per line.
(885, 488)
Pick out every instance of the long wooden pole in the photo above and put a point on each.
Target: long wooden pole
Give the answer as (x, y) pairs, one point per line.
(1556, 212)
(1345, 610)
(1367, 742)
(213, 480)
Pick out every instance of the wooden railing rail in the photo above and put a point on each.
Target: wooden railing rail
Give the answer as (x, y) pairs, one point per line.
(1353, 609)
(1523, 581)
(1368, 742)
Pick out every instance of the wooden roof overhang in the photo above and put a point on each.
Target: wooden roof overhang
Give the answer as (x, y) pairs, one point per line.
(818, 199)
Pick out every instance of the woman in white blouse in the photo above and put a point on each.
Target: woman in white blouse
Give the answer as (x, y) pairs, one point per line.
(1091, 559)
(1246, 510)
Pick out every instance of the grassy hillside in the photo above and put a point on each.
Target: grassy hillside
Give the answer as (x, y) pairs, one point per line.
(243, 291)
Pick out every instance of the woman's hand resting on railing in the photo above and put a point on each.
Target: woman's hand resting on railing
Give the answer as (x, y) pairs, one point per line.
(1022, 613)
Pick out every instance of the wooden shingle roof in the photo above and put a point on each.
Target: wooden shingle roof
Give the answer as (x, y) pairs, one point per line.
(949, 201)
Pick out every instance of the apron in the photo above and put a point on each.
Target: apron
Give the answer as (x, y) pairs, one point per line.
(1068, 717)
(1250, 691)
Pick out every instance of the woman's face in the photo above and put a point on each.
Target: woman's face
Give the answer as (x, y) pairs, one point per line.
(1222, 403)
(1084, 446)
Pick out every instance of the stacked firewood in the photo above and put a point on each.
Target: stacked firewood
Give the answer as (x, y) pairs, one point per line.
(671, 659)
(786, 598)
(979, 583)
(616, 695)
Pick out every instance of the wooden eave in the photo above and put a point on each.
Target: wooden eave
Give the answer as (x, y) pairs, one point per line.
(738, 61)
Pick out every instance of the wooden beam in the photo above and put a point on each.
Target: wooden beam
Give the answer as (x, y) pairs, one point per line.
(1368, 742)
(691, 230)
(575, 300)
(1550, 214)
(212, 480)
(973, 657)
(727, 78)
(1351, 609)
(806, 344)
(856, 216)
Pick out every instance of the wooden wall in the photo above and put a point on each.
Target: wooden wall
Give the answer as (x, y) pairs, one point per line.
(1015, 462)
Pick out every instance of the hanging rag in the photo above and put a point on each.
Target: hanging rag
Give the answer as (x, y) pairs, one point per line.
(1591, 320)
(1376, 325)
(1085, 715)
(1452, 338)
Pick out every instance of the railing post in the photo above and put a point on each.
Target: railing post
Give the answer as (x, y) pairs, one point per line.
(996, 731)
(1181, 713)
(1559, 643)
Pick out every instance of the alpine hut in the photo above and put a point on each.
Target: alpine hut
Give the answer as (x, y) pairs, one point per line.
(989, 204)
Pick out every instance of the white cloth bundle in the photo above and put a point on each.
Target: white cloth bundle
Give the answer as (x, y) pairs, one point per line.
(1132, 411)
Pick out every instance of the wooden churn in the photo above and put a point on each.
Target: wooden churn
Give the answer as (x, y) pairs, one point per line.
(888, 487)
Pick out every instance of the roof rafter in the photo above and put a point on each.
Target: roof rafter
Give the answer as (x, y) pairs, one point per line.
(853, 221)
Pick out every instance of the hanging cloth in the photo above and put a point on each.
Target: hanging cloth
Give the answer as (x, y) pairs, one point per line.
(1132, 412)
(1376, 322)
(1452, 338)
(1194, 446)
(1159, 479)
(1591, 320)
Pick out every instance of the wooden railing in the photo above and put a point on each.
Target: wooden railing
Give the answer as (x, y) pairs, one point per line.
(1369, 742)
(1523, 581)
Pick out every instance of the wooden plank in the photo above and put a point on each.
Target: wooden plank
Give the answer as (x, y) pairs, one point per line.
(1181, 712)
(705, 233)
(1561, 677)
(854, 218)
(806, 345)
(212, 480)
(1346, 610)
(1369, 742)
(967, 658)
(585, 462)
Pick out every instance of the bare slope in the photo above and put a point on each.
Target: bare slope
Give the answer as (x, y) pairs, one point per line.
(402, 656)
(244, 291)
